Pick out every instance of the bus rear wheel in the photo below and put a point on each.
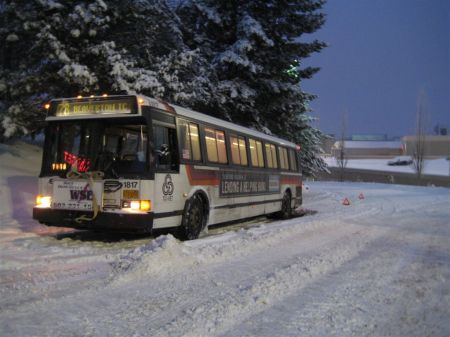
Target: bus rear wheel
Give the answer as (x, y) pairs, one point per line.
(286, 208)
(193, 219)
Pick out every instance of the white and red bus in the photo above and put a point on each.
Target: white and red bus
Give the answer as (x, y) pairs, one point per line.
(134, 163)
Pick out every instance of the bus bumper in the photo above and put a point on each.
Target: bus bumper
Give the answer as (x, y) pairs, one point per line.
(105, 221)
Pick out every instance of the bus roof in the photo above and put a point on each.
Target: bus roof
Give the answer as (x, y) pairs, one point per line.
(180, 111)
(174, 109)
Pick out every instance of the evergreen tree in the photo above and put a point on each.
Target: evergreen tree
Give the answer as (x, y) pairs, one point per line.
(237, 60)
(256, 51)
(55, 48)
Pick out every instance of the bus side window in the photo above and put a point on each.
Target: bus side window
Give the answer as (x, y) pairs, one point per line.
(256, 153)
(284, 164)
(195, 141)
(274, 155)
(215, 146)
(238, 150)
(164, 148)
(271, 156)
(292, 160)
(243, 151)
(189, 141)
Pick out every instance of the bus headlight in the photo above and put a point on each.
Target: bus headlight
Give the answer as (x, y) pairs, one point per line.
(137, 205)
(43, 201)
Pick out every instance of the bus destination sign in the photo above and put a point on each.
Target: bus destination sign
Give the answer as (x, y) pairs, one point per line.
(94, 107)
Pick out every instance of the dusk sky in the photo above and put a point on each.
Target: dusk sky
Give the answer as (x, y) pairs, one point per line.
(381, 54)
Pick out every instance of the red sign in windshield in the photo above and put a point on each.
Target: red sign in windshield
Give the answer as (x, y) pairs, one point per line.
(82, 164)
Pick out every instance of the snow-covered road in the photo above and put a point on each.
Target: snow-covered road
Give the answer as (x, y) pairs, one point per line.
(379, 267)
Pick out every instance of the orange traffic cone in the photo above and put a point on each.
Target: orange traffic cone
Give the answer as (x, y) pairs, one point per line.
(346, 202)
(361, 196)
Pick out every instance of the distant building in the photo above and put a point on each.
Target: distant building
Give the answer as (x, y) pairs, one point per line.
(370, 137)
(368, 149)
(441, 130)
(435, 146)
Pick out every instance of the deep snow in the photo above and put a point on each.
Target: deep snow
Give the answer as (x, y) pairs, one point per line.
(379, 267)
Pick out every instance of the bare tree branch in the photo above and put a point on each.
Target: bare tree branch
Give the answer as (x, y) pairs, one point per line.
(341, 154)
(419, 152)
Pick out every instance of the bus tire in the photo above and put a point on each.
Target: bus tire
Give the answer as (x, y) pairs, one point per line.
(286, 206)
(193, 220)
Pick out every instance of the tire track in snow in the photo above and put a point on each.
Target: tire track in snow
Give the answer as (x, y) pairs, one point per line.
(406, 296)
(236, 252)
(136, 303)
(224, 312)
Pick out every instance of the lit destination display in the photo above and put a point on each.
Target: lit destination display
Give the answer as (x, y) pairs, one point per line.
(126, 105)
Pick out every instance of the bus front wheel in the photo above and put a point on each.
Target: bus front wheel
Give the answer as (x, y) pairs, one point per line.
(193, 219)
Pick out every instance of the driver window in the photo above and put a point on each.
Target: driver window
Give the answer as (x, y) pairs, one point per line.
(164, 143)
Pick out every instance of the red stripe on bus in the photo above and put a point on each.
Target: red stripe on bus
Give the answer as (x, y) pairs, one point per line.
(202, 177)
(291, 180)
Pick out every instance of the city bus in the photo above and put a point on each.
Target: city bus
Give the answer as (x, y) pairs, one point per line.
(133, 163)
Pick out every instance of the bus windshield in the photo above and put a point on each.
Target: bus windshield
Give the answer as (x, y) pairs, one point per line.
(115, 147)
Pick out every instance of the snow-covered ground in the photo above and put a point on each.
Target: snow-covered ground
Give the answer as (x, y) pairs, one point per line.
(439, 167)
(379, 267)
